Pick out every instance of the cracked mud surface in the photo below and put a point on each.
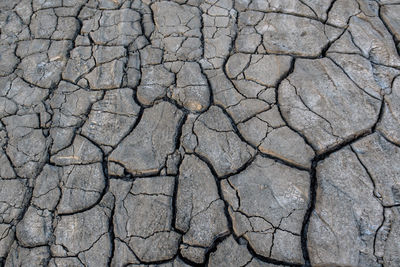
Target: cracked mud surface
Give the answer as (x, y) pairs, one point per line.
(179, 133)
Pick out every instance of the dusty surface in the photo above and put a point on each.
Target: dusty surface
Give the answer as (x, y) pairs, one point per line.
(200, 133)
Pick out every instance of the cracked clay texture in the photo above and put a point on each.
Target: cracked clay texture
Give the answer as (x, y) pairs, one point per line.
(221, 133)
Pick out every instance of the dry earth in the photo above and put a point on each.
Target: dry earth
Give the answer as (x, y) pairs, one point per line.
(251, 133)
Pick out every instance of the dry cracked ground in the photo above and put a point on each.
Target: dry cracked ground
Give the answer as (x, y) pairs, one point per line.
(179, 133)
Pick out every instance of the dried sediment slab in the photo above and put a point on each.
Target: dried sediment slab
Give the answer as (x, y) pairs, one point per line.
(270, 134)
(281, 35)
(81, 151)
(390, 17)
(268, 201)
(387, 247)
(258, 118)
(371, 36)
(347, 214)
(44, 69)
(154, 83)
(229, 253)
(380, 159)
(146, 226)
(265, 70)
(27, 144)
(111, 27)
(389, 125)
(306, 8)
(191, 89)
(107, 75)
(321, 102)
(215, 140)
(178, 28)
(35, 228)
(365, 75)
(22, 256)
(87, 234)
(12, 194)
(145, 149)
(218, 29)
(199, 209)
(83, 187)
(111, 118)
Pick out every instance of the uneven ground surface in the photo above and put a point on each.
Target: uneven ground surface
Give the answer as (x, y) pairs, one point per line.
(214, 132)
